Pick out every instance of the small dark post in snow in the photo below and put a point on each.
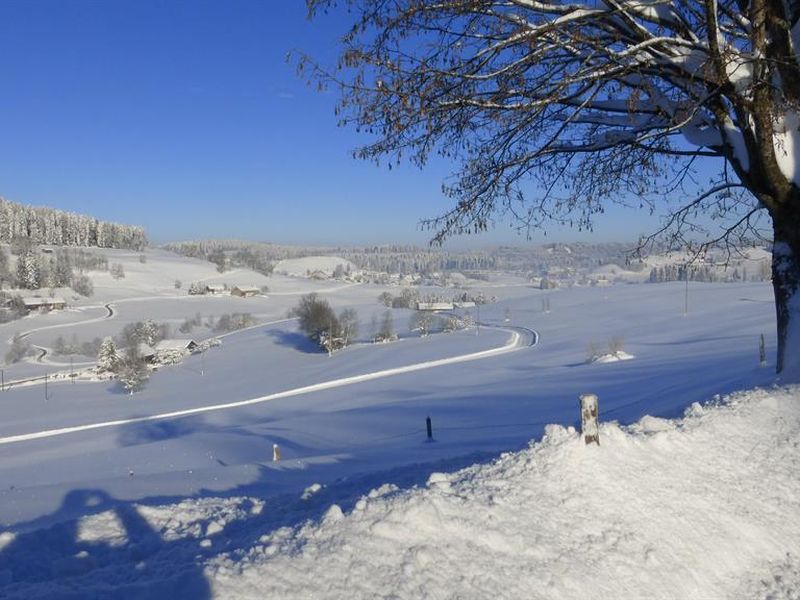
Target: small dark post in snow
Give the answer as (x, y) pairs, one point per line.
(71, 371)
(45, 386)
(762, 352)
(589, 426)
(429, 427)
(2, 380)
(276, 453)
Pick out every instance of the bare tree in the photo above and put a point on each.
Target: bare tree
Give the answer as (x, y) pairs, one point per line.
(554, 109)
(348, 326)
(421, 321)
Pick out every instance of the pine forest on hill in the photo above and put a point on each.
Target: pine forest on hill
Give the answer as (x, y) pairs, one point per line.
(43, 225)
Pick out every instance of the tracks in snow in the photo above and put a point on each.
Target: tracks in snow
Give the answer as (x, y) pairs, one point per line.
(515, 343)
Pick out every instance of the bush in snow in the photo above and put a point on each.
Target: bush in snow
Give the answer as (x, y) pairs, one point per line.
(386, 331)
(143, 332)
(19, 348)
(117, 271)
(233, 322)
(386, 299)
(615, 345)
(83, 285)
(421, 321)
(320, 323)
(132, 371)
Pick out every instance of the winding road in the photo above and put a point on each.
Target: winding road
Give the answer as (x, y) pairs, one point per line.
(520, 339)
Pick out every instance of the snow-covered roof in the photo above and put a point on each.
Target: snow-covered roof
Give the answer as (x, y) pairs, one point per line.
(248, 288)
(434, 305)
(174, 344)
(145, 350)
(309, 264)
(37, 301)
(217, 287)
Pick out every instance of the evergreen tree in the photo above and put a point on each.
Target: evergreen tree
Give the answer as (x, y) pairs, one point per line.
(107, 357)
(61, 274)
(28, 270)
(4, 271)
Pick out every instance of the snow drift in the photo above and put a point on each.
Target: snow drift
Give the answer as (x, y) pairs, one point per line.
(703, 507)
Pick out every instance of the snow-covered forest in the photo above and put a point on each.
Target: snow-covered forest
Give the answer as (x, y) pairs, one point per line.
(42, 225)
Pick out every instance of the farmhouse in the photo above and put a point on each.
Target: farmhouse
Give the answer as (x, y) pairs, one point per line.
(215, 288)
(146, 351)
(175, 345)
(464, 304)
(434, 306)
(245, 291)
(43, 304)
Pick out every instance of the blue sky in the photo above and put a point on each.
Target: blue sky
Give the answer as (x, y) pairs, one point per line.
(184, 117)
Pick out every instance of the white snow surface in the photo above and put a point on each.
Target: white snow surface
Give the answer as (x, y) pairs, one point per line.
(300, 267)
(613, 357)
(787, 146)
(707, 506)
(361, 505)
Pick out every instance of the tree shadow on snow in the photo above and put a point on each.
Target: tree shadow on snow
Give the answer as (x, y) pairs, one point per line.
(296, 340)
(64, 561)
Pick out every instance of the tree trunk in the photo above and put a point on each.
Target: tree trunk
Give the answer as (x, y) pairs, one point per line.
(786, 284)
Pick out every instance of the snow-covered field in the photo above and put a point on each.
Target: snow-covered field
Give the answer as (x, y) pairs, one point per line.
(173, 492)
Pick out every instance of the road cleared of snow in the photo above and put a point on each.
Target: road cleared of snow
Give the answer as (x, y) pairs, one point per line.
(514, 343)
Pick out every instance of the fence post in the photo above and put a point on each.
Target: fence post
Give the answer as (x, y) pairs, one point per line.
(430, 428)
(589, 419)
(276, 453)
(762, 352)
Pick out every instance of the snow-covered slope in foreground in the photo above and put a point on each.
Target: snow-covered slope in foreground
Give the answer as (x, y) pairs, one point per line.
(703, 507)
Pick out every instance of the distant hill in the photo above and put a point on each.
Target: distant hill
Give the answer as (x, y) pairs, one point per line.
(43, 225)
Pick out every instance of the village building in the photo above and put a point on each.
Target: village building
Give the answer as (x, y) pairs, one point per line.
(245, 291)
(32, 303)
(175, 345)
(215, 288)
(432, 306)
(146, 351)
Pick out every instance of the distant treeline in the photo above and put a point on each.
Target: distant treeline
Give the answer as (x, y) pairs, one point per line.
(42, 225)
(405, 259)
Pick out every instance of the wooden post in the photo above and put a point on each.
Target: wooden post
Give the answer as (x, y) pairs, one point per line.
(589, 420)
(762, 352)
(429, 427)
(276, 453)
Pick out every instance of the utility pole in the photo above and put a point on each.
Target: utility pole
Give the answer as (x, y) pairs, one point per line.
(686, 292)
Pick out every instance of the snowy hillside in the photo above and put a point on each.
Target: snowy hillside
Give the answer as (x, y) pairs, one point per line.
(703, 507)
(173, 491)
(302, 267)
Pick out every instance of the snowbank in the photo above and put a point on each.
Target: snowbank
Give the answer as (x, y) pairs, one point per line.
(612, 357)
(703, 507)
